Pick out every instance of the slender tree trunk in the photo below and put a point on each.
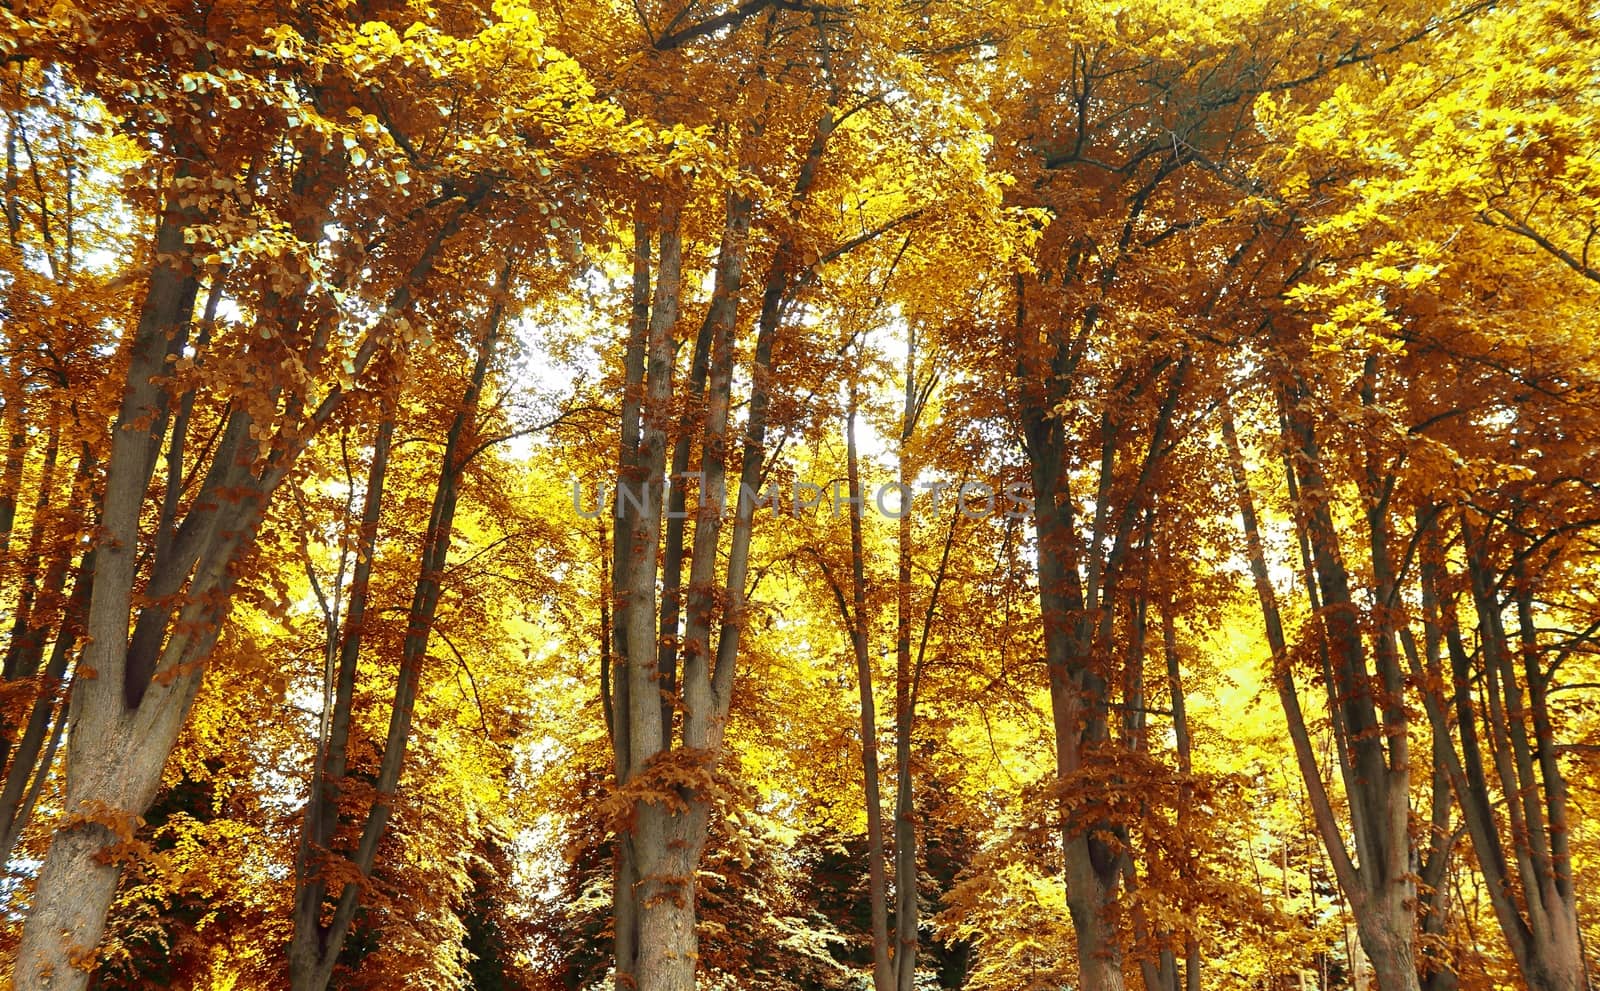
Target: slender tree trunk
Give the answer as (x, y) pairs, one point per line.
(13, 426)
(315, 948)
(624, 910)
(1185, 745)
(905, 690)
(717, 326)
(1438, 963)
(1092, 870)
(1159, 972)
(883, 977)
(1535, 907)
(308, 955)
(1380, 891)
(18, 649)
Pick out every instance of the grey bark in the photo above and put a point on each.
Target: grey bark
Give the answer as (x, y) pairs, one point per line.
(131, 697)
(1377, 882)
(883, 965)
(315, 947)
(1530, 887)
(669, 819)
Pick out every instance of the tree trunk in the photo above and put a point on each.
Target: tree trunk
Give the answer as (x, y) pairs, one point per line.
(131, 697)
(883, 976)
(662, 896)
(13, 426)
(114, 769)
(310, 965)
(1535, 908)
(1077, 700)
(906, 678)
(1077, 581)
(315, 948)
(1380, 890)
(1185, 745)
(669, 815)
(624, 894)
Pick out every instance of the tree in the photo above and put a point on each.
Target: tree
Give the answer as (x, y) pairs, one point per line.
(455, 463)
(233, 159)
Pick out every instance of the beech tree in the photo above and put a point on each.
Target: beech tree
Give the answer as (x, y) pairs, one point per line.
(265, 385)
(496, 494)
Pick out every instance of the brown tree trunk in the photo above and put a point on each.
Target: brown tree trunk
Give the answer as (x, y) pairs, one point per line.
(883, 977)
(19, 651)
(13, 426)
(314, 947)
(131, 697)
(1078, 574)
(1380, 890)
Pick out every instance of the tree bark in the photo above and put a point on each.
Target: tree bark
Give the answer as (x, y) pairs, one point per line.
(1078, 696)
(315, 948)
(883, 974)
(663, 907)
(308, 955)
(1534, 905)
(131, 697)
(624, 913)
(1185, 745)
(1374, 761)
(13, 426)
(906, 681)
(669, 783)
(114, 768)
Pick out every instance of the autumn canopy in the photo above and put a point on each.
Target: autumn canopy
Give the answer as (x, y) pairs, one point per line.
(800, 495)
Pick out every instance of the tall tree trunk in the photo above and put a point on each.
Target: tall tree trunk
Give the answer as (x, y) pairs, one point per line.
(668, 783)
(883, 976)
(1185, 745)
(1439, 960)
(1533, 899)
(1078, 695)
(131, 696)
(115, 756)
(906, 678)
(717, 326)
(1079, 566)
(666, 944)
(315, 948)
(624, 912)
(1159, 971)
(1380, 890)
(307, 943)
